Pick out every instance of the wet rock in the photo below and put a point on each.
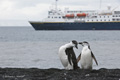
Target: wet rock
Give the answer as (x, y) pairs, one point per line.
(58, 74)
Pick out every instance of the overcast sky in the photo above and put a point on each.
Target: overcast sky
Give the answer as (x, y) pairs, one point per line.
(19, 12)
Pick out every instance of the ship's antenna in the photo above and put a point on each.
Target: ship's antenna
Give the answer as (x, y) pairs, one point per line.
(56, 5)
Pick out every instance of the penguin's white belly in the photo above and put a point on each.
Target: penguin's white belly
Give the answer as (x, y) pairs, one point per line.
(64, 59)
(86, 60)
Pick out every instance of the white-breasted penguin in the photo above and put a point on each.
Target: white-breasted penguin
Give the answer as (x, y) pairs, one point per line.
(86, 56)
(67, 55)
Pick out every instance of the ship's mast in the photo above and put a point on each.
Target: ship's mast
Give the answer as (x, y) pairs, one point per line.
(100, 3)
(56, 5)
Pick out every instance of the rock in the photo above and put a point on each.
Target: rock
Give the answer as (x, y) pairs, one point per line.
(58, 74)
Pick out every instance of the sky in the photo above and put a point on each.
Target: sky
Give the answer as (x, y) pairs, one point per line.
(19, 12)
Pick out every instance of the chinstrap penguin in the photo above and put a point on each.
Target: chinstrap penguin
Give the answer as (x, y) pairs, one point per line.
(67, 55)
(86, 56)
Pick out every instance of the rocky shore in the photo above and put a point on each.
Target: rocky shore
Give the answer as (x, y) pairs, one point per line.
(58, 74)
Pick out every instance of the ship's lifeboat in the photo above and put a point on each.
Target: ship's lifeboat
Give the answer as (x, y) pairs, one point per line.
(69, 15)
(81, 15)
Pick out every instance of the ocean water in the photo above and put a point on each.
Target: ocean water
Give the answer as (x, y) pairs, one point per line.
(23, 47)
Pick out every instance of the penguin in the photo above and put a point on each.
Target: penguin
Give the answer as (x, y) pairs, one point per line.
(67, 55)
(86, 56)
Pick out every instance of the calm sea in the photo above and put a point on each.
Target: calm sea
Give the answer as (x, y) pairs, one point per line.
(23, 47)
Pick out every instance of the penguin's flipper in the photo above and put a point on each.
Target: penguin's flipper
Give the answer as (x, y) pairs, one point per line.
(78, 58)
(69, 55)
(74, 60)
(94, 57)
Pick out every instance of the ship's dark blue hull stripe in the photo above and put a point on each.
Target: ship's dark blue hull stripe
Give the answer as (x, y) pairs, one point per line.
(77, 26)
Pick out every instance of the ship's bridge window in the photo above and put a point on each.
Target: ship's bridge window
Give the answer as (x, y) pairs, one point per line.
(63, 17)
(55, 17)
(67, 11)
(114, 15)
(49, 12)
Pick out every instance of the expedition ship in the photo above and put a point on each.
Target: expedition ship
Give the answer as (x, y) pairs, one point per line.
(79, 20)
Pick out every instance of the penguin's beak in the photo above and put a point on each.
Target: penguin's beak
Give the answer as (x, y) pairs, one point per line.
(80, 43)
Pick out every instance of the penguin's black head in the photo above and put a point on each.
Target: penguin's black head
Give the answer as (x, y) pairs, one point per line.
(84, 43)
(75, 43)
